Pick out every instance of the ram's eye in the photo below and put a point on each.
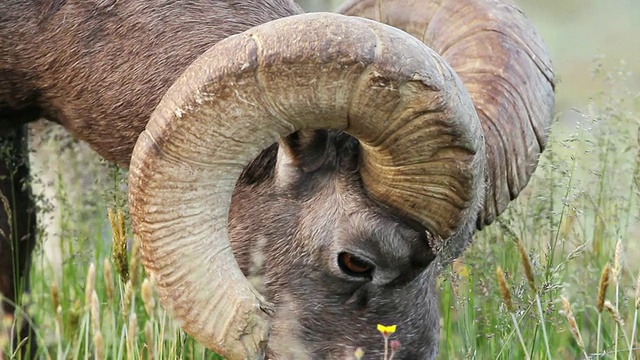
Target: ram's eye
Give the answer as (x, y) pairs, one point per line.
(354, 265)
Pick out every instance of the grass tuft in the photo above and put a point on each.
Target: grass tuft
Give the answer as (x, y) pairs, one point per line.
(567, 236)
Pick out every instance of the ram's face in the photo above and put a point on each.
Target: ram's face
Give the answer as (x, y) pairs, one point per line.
(333, 262)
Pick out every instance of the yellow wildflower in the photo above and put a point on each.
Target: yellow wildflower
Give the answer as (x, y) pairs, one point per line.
(386, 330)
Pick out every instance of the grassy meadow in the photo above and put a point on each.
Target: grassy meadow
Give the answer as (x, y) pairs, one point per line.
(567, 249)
(557, 276)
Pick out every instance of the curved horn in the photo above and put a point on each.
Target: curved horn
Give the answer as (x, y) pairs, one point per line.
(502, 61)
(422, 152)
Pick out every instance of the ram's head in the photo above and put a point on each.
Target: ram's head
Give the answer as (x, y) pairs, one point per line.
(348, 227)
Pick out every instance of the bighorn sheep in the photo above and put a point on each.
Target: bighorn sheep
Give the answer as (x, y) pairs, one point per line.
(350, 225)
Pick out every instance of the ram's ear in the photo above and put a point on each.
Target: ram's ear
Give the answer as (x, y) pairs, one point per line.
(287, 160)
(306, 150)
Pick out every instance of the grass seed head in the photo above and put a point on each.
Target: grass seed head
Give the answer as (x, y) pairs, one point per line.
(617, 261)
(119, 247)
(134, 265)
(504, 289)
(55, 295)
(108, 280)
(95, 313)
(614, 313)
(88, 290)
(567, 224)
(132, 334)
(602, 287)
(74, 314)
(59, 317)
(98, 344)
(126, 301)
(526, 265)
(147, 297)
(148, 335)
(573, 326)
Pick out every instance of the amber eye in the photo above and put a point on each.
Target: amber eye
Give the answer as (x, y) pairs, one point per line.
(354, 265)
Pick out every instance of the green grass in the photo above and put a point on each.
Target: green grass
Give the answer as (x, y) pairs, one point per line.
(583, 199)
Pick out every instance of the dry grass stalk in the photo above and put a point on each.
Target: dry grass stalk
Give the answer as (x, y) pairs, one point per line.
(134, 265)
(126, 301)
(577, 251)
(506, 297)
(614, 313)
(526, 264)
(602, 287)
(617, 262)
(95, 313)
(88, 290)
(98, 345)
(567, 224)
(8, 323)
(55, 295)
(504, 290)
(148, 335)
(119, 247)
(615, 272)
(611, 309)
(132, 334)
(528, 271)
(602, 292)
(573, 326)
(108, 280)
(147, 297)
(59, 318)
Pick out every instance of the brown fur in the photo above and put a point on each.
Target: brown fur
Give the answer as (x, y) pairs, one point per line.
(100, 67)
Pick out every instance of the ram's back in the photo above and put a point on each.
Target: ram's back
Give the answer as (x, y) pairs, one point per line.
(100, 67)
